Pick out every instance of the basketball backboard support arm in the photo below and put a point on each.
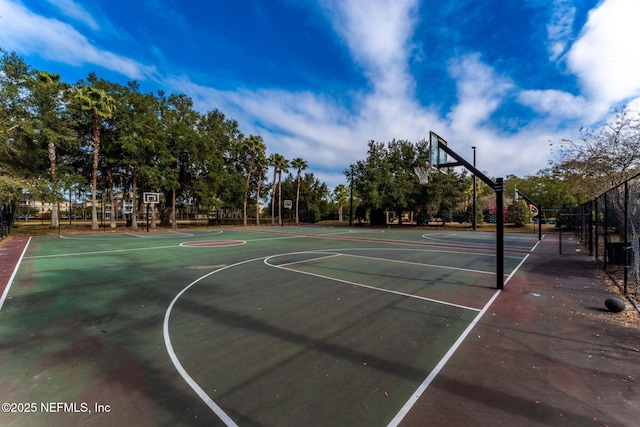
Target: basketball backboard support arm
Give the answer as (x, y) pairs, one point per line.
(464, 163)
(539, 207)
(498, 187)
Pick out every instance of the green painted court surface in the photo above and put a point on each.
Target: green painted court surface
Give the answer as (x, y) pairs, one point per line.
(258, 327)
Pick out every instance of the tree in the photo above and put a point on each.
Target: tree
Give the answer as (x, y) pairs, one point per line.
(214, 176)
(519, 213)
(281, 164)
(385, 179)
(99, 105)
(275, 161)
(300, 165)
(139, 127)
(178, 153)
(261, 164)
(50, 128)
(340, 195)
(256, 148)
(603, 157)
(15, 77)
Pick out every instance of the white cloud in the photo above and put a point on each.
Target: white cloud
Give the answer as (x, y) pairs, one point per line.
(377, 33)
(318, 127)
(606, 57)
(560, 27)
(555, 102)
(27, 33)
(330, 134)
(73, 10)
(480, 90)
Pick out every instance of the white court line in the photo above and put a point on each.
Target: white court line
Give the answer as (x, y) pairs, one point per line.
(423, 387)
(482, 245)
(136, 249)
(141, 235)
(397, 262)
(361, 285)
(13, 275)
(413, 249)
(515, 269)
(178, 234)
(306, 260)
(425, 384)
(469, 270)
(102, 252)
(226, 419)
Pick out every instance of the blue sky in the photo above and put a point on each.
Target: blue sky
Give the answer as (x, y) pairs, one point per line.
(318, 79)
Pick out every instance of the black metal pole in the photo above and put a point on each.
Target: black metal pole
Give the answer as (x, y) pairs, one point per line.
(148, 206)
(627, 243)
(589, 218)
(560, 235)
(606, 234)
(596, 219)
(351, 199)
(499, 189)
(540, 223)
(475, 195)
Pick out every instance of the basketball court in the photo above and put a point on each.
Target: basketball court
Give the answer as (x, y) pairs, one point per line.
(273, 326)
(312, 321)
(310, 326)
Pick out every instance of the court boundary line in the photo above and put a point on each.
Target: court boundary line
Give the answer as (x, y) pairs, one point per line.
(224, 417)
(114, 236)
(436, 370)
(441, 364)
(13, 275)
(479, 246)
(102, 252)
(361, 285)
(469, 270)
(342, 236)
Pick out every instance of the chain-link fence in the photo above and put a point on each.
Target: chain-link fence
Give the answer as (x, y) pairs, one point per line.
(609, 226)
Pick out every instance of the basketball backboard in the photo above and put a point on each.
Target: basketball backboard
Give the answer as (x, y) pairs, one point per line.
(438, 156)
(151, 198)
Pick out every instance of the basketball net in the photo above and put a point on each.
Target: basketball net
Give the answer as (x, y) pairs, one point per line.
(422, 171)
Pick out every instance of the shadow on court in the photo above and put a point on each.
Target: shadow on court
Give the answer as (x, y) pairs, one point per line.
(278, 347)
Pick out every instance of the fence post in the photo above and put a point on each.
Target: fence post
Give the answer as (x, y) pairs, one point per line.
(627, 246)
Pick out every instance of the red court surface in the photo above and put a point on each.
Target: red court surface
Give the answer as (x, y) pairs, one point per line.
(547, 353)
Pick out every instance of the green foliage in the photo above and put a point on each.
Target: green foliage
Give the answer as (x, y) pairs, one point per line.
(519, 213)
(10, 189)
(360, 214)
(121, 139)
(468, 214)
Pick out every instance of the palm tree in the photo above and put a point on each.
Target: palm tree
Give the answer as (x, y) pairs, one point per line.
(255, 145)
(272, 161)
(340, 194)
(49, 84)
(100, 106)
(260, 163)
(278, 163)
(300, 164)
(282, 166)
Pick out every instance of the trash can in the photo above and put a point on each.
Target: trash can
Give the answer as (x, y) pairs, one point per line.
(616, 253)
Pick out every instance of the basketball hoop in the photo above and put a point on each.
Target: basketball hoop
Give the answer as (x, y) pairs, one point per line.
(422, 171)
